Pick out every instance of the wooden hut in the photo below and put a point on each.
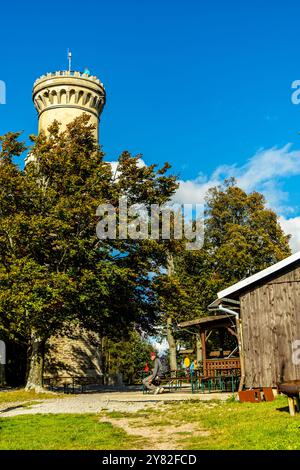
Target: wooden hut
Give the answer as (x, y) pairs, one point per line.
(267, 311)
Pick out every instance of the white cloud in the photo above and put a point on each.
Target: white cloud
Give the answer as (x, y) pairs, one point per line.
(264, 172)
(114, 167)
(193, 191)
(292, 226)
(266, 165)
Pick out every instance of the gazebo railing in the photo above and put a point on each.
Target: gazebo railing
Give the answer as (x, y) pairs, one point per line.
(225, 366)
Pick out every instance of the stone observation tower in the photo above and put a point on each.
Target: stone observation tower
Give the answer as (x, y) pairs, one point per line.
(65, 95)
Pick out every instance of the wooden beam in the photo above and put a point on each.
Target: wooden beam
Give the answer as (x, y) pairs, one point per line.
(205, 322)
(239, 331)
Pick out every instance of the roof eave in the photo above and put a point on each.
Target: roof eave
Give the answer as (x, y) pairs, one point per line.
(238, 286)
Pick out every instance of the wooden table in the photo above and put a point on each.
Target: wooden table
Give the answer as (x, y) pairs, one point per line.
(69, 382)
(292, 390)
(231, 375)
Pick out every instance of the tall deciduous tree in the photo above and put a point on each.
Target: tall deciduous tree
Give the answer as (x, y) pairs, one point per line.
(242, 237)
(54, 271)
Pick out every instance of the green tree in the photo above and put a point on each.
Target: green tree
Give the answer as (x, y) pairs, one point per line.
(128, 356)
(12, 206)
(242, 237)
(54, 271)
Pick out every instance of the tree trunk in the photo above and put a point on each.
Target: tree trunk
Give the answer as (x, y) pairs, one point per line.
(172, 345)
(199, 355)
(36, 364)
(2, 362)
(170, 337)
(2, 375)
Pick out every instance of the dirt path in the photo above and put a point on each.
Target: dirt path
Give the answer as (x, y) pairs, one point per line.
(127, 402)
(149, 418)
(159, 437)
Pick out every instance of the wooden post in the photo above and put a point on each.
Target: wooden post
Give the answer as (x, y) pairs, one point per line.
(291, 406)
(202, 334)
(241, 352)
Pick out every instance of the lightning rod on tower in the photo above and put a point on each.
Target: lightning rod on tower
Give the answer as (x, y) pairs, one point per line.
(70, 59)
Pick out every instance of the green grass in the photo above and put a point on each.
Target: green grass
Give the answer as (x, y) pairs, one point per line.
(118, 414)
(63, 431)
(207, 425)
(246, 426)
(20, 395)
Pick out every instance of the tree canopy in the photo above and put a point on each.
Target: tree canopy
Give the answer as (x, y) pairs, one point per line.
(242, 236)
(54, 271)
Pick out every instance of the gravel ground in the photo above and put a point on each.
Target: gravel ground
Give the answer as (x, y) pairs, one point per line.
(95, 402)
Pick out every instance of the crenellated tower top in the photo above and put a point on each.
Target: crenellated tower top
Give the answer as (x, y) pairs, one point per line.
(64, 95)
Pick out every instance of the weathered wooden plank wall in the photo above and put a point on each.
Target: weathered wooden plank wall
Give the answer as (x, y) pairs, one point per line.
(270, 314)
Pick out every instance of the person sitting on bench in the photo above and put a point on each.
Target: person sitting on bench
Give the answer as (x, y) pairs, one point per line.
(156, 373)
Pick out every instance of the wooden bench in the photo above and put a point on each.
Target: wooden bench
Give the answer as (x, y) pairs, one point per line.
(69, 383)
(171, 380)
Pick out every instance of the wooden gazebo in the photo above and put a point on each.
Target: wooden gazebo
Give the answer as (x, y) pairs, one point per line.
(204, 326)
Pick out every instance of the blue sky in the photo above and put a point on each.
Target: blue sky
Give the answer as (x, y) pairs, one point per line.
(204, 85)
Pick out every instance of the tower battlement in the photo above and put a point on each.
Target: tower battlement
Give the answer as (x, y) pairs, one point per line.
(64, 95)
(68, 73)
